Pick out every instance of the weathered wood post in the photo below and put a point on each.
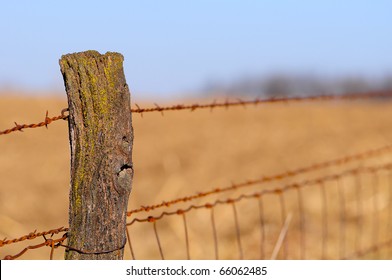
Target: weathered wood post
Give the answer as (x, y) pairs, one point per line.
(101, 136)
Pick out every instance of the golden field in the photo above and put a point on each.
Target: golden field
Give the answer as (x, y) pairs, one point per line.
(183, 153)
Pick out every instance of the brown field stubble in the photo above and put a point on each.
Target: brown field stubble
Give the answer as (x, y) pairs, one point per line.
(184, 152)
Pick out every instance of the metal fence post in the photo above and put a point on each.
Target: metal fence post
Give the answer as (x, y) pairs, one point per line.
(101, 137)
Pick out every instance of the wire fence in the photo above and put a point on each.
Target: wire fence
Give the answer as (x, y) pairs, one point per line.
(344, 214)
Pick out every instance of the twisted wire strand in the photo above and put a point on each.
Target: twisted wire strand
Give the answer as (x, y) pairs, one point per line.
(214, 104)
(32, 235)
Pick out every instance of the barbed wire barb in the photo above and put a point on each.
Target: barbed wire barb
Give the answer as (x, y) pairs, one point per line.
(137, 106)
(18, 127)
(47, 120)
(159, 108)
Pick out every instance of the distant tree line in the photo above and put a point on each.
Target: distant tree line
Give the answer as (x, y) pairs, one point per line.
(279, 85)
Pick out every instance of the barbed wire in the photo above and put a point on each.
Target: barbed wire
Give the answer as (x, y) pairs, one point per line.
(214, 104)
(277, 190)
(258, 101)
(46, 122)
(53, 243)
(264, 179)
(58, 242)
(320, 182)
(32, 235)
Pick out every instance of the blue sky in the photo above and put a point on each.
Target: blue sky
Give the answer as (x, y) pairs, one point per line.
(176, 46)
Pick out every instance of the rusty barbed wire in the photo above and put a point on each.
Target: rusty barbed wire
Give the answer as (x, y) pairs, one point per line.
(20, 127)
(32, 235)
(214, 104)
(53, 243)
(278, 190)
(258, 101)
(264, 179)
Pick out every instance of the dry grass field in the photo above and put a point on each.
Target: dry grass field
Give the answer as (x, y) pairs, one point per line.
(183, 153)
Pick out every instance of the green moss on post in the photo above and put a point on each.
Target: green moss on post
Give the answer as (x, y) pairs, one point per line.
(101, 137)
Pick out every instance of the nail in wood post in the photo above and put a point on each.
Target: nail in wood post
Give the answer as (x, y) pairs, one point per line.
(101, 136)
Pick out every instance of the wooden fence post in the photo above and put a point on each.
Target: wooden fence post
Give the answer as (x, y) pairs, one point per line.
(101, 137)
